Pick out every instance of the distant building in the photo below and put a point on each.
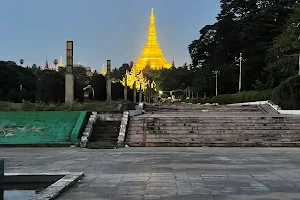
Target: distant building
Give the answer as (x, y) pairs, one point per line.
(90, 71)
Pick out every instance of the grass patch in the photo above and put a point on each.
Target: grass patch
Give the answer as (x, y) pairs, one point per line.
(101, 145)
(99, 106)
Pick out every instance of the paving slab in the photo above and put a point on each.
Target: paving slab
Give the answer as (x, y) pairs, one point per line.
(167, 173)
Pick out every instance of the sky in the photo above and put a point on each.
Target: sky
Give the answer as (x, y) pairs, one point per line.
(102, 30)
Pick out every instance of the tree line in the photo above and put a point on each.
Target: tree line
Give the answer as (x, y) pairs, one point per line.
(262, 31)
(33, 84)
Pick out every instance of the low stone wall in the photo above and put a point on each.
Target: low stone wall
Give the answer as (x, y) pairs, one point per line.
(88, 129)
(271, 104)
(123, 128)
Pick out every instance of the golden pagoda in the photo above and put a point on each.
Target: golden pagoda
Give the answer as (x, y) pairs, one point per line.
(60, 62)
(103, 70)
(152, 53)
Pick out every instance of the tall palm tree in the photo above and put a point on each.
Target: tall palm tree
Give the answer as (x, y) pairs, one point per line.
(55, 63)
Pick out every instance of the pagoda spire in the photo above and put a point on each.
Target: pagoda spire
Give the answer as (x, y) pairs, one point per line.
(152, 53)
(173, 63)
(46, 64)
(60, 62)
(103, 70)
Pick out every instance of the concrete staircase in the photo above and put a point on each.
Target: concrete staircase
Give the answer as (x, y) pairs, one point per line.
(220, 126)
(105, 131)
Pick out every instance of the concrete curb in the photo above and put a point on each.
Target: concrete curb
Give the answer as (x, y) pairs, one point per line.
(59, 186)
(88, 130)
(123, 128)
(138, 110)
(271, 104)
(54, 190)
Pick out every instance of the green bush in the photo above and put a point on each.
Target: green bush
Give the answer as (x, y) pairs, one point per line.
(240, 97)
(287, 94)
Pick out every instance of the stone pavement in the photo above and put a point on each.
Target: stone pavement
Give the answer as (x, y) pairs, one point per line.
(168, 173)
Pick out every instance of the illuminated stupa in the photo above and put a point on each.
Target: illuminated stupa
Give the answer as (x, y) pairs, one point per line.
(152, 54)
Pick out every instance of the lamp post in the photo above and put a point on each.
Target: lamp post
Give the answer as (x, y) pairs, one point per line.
(55, 63)
(160, 93)
(216, 72)
(296, 26)
(240, 60)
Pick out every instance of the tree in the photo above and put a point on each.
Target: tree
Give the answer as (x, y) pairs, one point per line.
(282, 58)
(242, 26)
(24, 95)
(118, 73)
(98, 82)
(12, 76)
(287, 94)
(51, 87)
(117, 91)
(13, 96)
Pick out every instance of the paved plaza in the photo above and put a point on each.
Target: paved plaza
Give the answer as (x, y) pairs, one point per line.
(168, 173)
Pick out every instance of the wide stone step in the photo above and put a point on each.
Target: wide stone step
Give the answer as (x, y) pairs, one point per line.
(215, 144)
(195, 116)
(216, 135)
(174, 141)
(219, 124)
(193, 122)
(105, 134)
(192, 116)
(106, 129)
(207, 109)
(214, 128)
(254, 107)
(190, 122)
(207, 132)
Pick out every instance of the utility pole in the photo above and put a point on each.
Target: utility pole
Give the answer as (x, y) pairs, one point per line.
(296, 26)
(216, 72)
(240, 60)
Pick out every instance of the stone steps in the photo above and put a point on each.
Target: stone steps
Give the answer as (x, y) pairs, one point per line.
(209, 125)
(105, 131)
(214, 131)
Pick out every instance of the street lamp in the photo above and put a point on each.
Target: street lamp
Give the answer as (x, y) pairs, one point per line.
(160, 93)
(216, 72)
(240, 60)
(55, 63)
(22, 62)
(296, 26)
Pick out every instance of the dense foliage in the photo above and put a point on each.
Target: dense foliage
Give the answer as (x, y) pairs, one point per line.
(32, 84)
(247, 27)
(287, 94)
